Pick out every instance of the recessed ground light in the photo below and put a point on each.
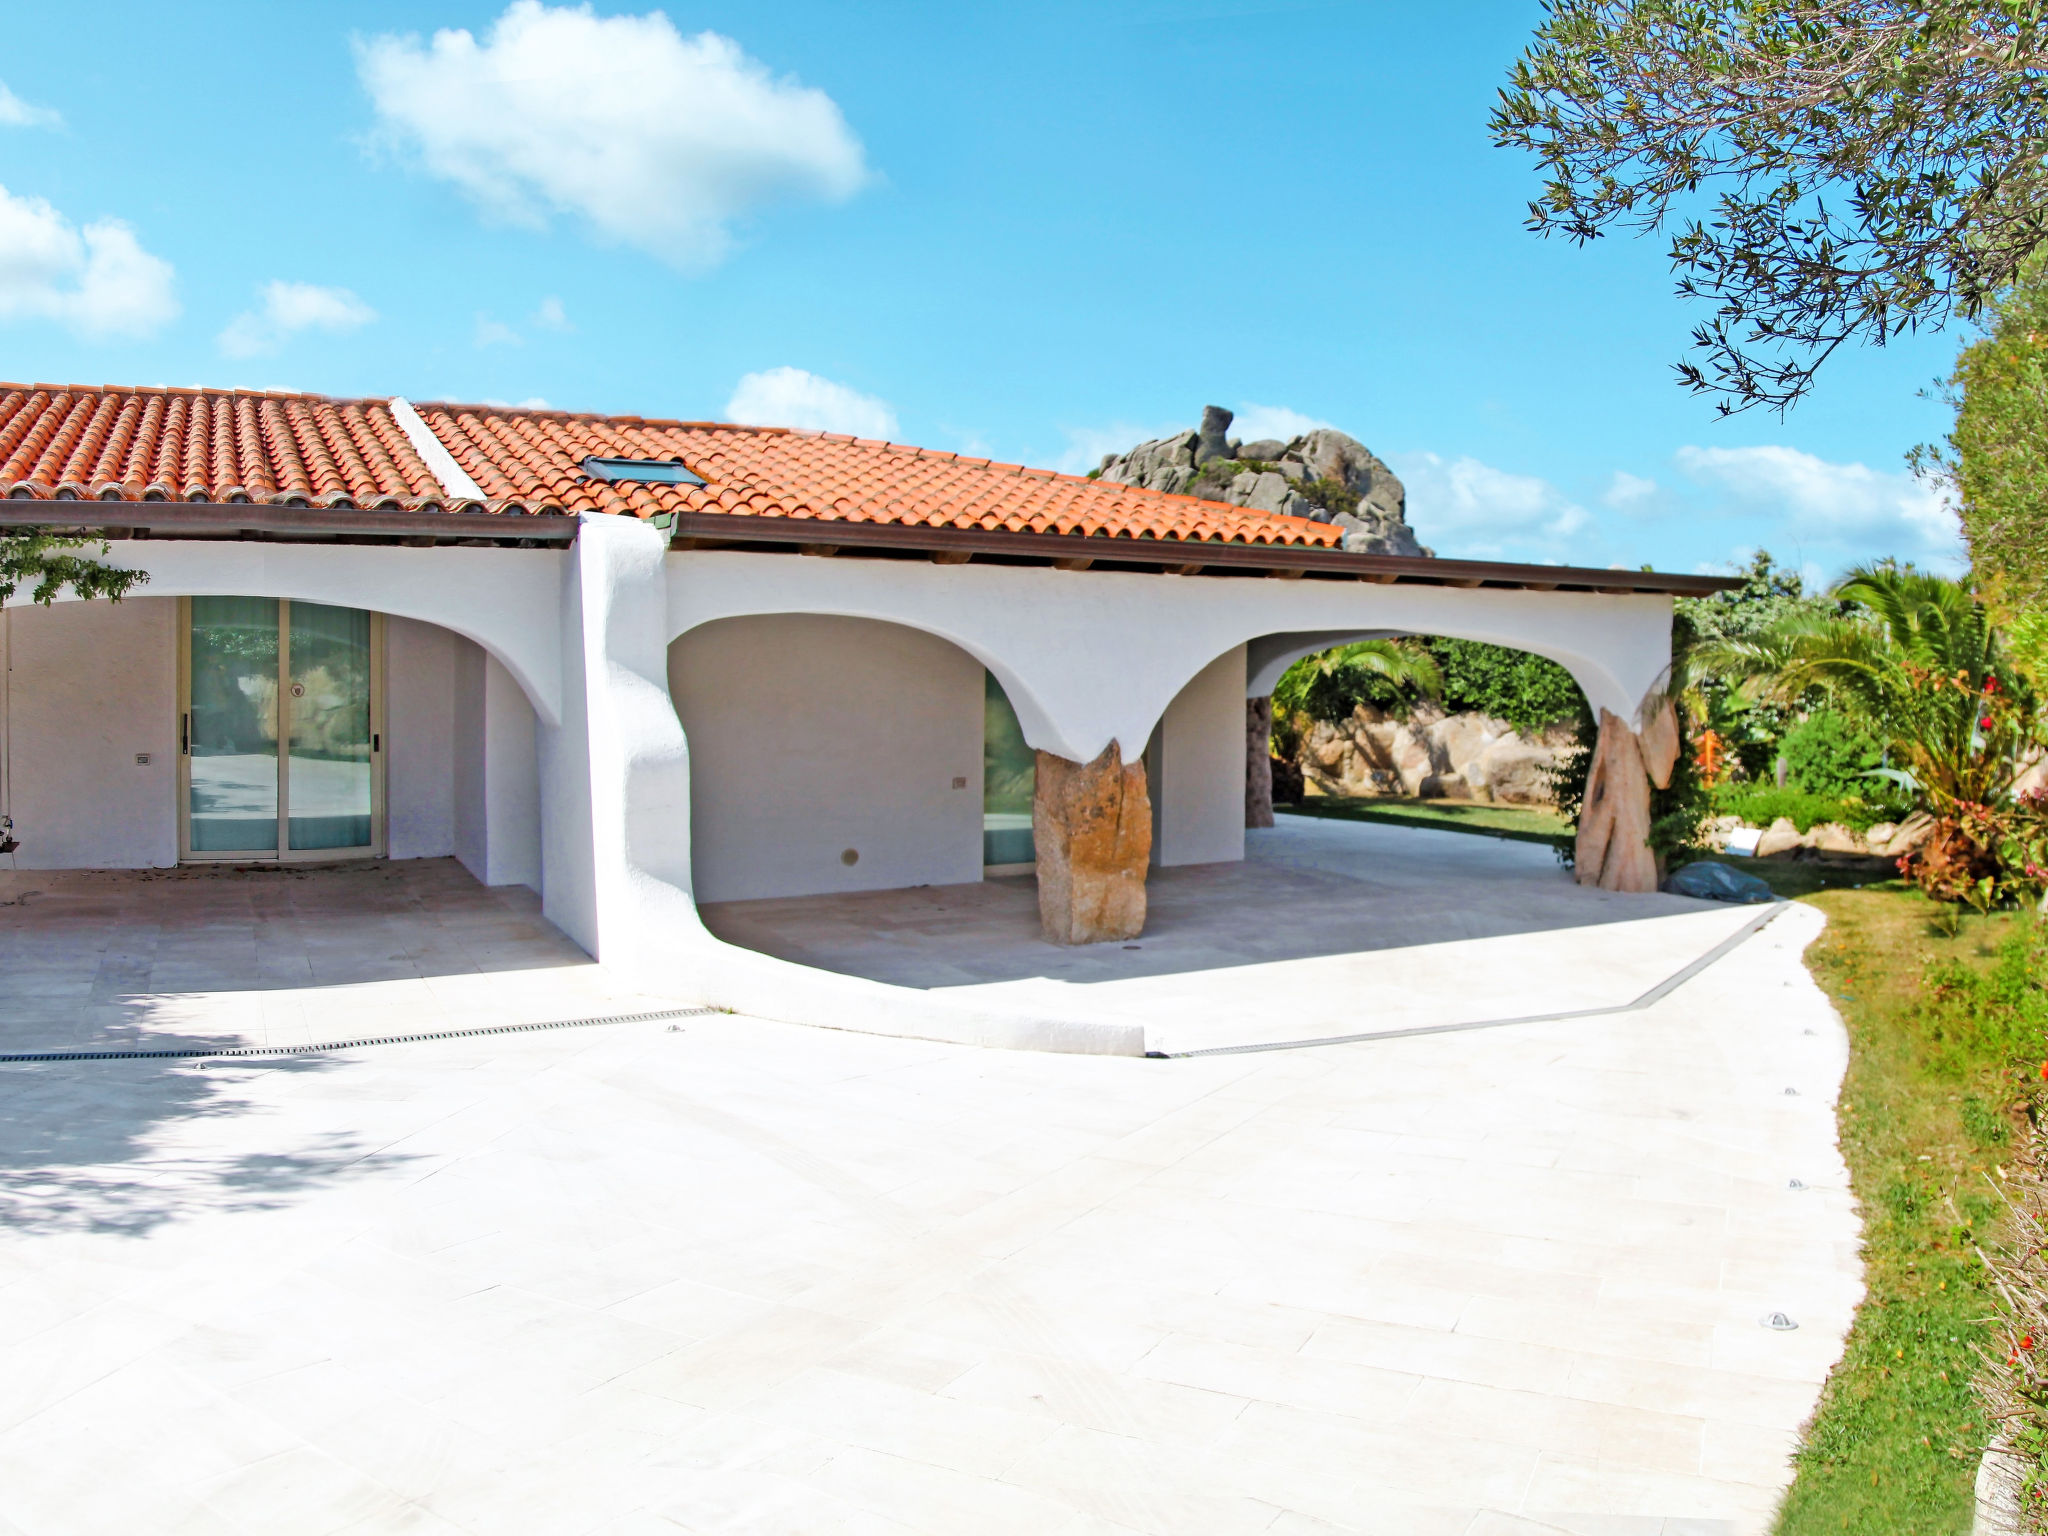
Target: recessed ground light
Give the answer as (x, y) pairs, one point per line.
(850, 856)
(653, 471)
(1778, 1322)
(1791, 1093)
(1795, 1183)
(1134, 946)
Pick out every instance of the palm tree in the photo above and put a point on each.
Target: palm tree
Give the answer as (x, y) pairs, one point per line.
(1400, 662)
(1918, 659)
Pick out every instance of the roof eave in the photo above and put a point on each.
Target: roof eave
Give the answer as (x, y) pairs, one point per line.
(213, 520)
(1185, 556)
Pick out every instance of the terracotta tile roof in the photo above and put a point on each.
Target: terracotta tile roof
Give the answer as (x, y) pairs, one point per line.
(535, 457)
(66, 441)
(63, 441)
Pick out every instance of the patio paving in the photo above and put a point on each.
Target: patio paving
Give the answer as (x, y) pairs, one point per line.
(1328, 928)
(751, 1277)
(212, 957)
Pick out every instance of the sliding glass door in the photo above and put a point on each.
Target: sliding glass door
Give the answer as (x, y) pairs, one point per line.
(282, 730)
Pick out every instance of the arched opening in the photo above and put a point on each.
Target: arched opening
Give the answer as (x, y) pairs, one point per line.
(1384, 715)
(253, 728)
(829, 754)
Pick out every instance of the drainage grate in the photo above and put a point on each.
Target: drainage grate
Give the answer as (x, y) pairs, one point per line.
(189, 1054)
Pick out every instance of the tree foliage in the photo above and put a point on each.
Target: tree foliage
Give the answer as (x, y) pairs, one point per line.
(1751, 729)
(1530, 692)
(1998, 448)
(1917, 659)
(1330, 684)
(47, 562)
(1828, 170)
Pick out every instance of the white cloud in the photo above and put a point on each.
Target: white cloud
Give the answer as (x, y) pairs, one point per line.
(1627, 492)
(1868, 511)
(16, 113)
(532, 403)
(1470, 510)
(286, 310)
(551, 316)
(790, 397)
(1255, 423)
(496, 333)
(660, 141)
(97, 281)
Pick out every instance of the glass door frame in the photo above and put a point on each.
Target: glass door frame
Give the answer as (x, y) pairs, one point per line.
(284, 853)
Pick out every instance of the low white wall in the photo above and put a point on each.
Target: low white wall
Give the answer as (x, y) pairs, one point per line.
(419, 744)
(1201, 767)
(810, 735)
(497, 782)
(88, 686)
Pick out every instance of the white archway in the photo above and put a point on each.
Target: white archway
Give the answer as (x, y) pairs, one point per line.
(507, 601)
(1091, 657)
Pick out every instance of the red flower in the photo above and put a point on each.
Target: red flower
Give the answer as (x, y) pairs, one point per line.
(2026, 1341)
(2044, 1071)
(1984, 724)
(1990, 683)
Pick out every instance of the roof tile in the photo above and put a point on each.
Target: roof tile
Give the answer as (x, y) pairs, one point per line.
(224, 445)
(122, 444)
(778, 472)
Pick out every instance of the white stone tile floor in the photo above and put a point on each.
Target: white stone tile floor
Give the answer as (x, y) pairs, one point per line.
(1328, 928)
(752, 1277)
(207, 957)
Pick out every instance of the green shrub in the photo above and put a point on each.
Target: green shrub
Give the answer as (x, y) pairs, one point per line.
(1760, 805)
(1528, 691)
(1333, 496)
(1830, 753)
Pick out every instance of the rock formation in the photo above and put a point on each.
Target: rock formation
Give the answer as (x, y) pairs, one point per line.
(1322, 475)
(1428, 753)
(1092, 823)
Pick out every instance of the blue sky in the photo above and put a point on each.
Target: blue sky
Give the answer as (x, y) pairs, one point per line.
(1035, 231)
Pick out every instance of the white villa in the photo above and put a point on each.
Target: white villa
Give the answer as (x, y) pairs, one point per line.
(637, 664)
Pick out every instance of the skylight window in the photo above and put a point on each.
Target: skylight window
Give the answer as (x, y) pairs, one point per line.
(652, 471)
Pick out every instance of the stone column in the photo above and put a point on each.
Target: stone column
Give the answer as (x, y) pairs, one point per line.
(1258, 761)
(1092, 823)
(1613, 846)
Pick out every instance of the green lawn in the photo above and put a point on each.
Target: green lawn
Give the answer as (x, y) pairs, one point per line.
(1523, 823)
(1938, 1082)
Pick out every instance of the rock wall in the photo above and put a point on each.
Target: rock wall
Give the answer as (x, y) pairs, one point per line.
(1274, 476)
(1432, 755)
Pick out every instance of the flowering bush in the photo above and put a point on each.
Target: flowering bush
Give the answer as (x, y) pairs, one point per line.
(1987, 847)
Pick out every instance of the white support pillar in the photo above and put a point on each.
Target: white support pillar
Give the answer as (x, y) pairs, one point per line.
(615, 826)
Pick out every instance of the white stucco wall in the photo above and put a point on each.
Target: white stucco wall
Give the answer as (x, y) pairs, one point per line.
(1088, 657)
(1200, 795)
(419, 744)
(496, 781)
(507, 600)
(810, 735)
(88, 686)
